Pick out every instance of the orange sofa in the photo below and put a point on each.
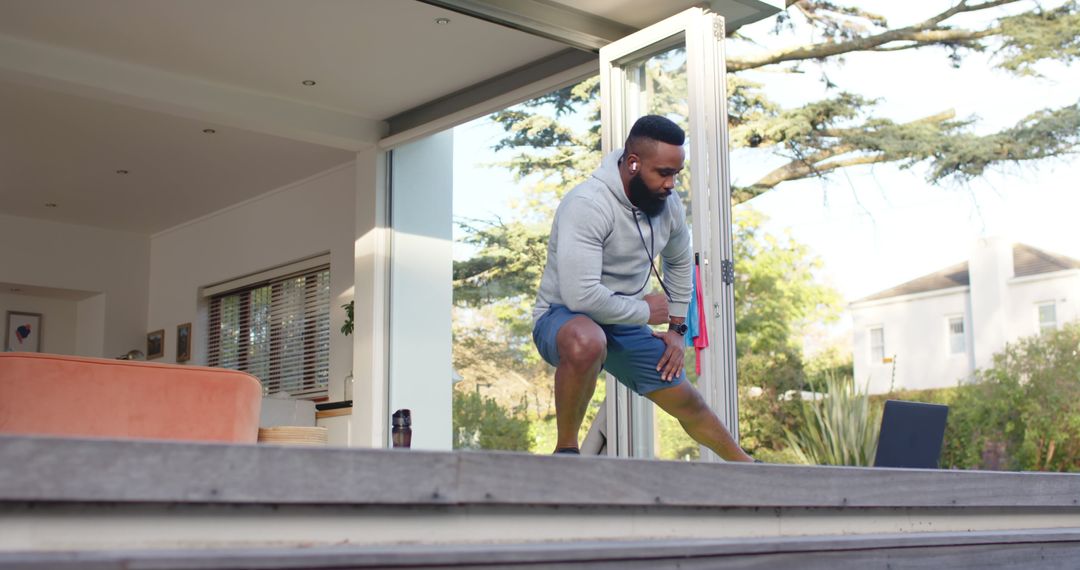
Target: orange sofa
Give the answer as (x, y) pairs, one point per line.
(48, 394)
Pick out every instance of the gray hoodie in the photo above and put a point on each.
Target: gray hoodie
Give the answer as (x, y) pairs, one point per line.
(596, 262)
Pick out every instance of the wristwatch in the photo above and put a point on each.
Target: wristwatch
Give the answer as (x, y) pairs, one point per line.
(680, 328)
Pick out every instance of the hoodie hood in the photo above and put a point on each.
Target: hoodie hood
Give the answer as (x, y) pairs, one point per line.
(608, 175)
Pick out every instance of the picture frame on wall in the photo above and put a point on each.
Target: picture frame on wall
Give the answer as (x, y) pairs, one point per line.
(155, 344)
(183, 342)
(23, 332)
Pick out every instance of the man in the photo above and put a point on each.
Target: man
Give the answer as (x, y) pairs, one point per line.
(591, 311)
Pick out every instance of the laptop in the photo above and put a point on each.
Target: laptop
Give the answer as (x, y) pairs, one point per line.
(911, 435)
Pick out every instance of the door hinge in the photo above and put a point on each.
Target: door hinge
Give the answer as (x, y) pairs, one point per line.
(718, 29)
(727, 271)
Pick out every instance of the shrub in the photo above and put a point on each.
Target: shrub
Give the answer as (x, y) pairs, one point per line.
(840, 428)
(1023, 412)
(481, 423)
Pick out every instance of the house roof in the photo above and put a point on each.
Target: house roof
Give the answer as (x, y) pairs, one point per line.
(953, 276)
(1027, 260)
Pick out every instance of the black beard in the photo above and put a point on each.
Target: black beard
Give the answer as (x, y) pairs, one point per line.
(644, 199)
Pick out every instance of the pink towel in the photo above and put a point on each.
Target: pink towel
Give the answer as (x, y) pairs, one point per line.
(701, 341)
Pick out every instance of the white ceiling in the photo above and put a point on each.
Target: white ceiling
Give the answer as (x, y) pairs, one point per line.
(65, 149)
(635, 14)
(89, 87)
(372, 58)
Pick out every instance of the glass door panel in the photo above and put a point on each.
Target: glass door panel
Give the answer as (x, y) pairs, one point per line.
(675, 69)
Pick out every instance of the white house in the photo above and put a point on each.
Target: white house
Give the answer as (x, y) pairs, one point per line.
(936, 330)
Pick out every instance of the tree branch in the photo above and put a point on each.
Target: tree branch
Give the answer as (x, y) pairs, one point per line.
(815, 165)
(935, 118)
(925, 33)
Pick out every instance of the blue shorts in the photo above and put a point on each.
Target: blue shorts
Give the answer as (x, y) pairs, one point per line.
(632, 351)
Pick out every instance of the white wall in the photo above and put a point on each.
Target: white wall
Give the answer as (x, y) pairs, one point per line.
(114, 265)
(421, 288)
(301, 220)
(58, 322)
(916, 335)
(990, 268)
(368, 425)
(1063, 288)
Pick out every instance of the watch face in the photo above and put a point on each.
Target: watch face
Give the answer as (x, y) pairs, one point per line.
(680, 328)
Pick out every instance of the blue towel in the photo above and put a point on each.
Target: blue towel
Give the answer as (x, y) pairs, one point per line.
(692, 313)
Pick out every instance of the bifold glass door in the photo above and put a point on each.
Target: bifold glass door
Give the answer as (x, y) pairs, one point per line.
(675, 68)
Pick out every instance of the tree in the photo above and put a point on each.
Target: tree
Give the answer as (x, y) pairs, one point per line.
(823, 136)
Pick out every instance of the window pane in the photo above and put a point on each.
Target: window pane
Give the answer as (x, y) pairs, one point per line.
(258, 357)
(956, 335)
(1047, 317)
(278, 332)
(877, 345)
(661, 84)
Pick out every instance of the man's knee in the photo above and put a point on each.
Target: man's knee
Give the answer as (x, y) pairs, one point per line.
(582, 342)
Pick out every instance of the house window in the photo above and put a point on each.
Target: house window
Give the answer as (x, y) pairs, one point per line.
(957, 343)
(277, 331)
(877, 345)
(1047, 317)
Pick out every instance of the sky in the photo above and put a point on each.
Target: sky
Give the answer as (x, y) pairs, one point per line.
(876, 226)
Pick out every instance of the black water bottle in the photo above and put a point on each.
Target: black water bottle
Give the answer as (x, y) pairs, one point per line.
(401, 434)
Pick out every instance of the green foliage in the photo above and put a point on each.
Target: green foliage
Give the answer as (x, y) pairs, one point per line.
(493, 349)
(1042, 134)
(776, 293)
(840, 428)
(347, 327)
(509, 262)
(830, 361)
(768, 399)
(1023, 412)
(481, 423)
(1031, 37)
(557, 155)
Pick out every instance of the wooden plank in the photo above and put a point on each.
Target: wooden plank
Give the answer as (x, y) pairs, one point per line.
(40, 469)
(1021, 549)
(323, 414)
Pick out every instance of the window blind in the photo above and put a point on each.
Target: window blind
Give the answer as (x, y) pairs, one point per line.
(278, 331)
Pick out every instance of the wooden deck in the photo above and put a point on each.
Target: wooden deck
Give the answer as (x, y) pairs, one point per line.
(129, 504)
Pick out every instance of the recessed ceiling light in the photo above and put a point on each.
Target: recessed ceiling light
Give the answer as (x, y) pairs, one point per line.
(121, 171)
(51, 204)
(307, 82)
(209, 131)
(442, 21)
